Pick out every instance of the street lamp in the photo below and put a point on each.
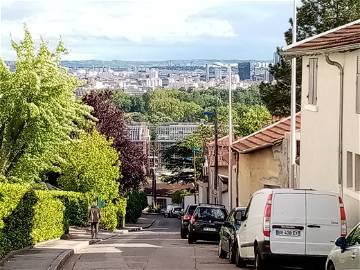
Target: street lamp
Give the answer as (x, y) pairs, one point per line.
(229, 66)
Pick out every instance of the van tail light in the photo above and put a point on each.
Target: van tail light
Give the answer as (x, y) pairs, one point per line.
(187, 217)
(343, 218)
(193, 219)
(267, 216)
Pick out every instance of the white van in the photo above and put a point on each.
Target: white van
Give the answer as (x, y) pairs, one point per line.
(289, 224)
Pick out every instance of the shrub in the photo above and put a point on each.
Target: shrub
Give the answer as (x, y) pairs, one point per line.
(121, 212)
(29, 216)
(136, 202)
(109, 217)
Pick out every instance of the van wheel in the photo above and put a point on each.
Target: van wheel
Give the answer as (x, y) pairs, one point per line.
(331, 266)
(259, 262)
(222, 253)
(232, 253)
(191, 238)
(238, 260)
(183, 234)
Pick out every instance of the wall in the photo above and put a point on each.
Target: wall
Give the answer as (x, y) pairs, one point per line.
(259, 168)
(319, 133)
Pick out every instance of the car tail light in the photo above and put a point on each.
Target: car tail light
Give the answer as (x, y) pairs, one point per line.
(187, 217)
(343, 218)
(267, 216)
(193, 219)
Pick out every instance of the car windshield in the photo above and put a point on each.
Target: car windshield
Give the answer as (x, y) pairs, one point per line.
(212, 213)
(191, 209)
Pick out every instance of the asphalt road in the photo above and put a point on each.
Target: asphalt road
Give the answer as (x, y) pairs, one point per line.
(159, 247)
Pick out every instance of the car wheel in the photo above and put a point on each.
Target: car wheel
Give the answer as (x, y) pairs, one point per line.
(238, 260)
(183, 234)
(222, 253)
(259, 262)
(232, 253)
(331, 266)
(191, 238)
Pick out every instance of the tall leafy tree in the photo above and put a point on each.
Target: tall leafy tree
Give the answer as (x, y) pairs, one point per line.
(111, 123)
(90, 164)
(314, 17)
(38, 109)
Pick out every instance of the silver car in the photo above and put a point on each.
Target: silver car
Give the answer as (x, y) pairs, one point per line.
(346, 253)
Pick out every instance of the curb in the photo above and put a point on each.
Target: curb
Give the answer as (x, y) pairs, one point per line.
(11, 254)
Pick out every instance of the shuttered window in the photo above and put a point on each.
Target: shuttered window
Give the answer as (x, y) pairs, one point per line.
(358, 86)
(313, 70)
(357, 172)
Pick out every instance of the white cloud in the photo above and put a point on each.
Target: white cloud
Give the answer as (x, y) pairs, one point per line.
(136, 21)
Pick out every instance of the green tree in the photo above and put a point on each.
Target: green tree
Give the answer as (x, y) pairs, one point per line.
(122, 100)
(313, 17)
(90, 164)
(38, 109)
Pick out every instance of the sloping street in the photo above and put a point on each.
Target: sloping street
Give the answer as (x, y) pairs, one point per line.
(160, 247)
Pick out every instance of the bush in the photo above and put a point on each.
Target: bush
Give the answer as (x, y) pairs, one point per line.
(109, 217)
(121, 212)
(136, 202)
(29, 216)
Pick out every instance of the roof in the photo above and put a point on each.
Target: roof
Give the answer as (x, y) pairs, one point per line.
(166, 189)
(267, 136)
(343, 38)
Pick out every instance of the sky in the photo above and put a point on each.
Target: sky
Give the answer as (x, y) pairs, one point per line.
(150, 29)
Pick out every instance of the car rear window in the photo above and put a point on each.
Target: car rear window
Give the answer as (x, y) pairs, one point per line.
(191, 209)
(208, 213)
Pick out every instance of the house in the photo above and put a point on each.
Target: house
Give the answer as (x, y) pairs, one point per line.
(330, 105)
(209, 192)
(164, 192)
(262, 160)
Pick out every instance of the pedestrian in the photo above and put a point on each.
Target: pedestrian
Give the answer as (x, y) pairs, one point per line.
(94, 219)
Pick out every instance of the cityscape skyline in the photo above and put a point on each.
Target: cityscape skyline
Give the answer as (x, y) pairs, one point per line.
(150, 30)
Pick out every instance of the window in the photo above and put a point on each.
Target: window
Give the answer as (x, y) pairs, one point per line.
(358, 85)
(357, 172)
(354, 237)
(349, 169)
(313, 68)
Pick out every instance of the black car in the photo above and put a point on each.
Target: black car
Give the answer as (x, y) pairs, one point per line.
(227, 243)
(185, 220)
(206, 222)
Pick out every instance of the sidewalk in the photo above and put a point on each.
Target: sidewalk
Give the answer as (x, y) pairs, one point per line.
(51, 255)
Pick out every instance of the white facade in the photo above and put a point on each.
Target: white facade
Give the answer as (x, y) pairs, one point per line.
(320, 132)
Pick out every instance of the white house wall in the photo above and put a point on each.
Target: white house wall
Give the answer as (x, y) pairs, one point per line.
(320, 125)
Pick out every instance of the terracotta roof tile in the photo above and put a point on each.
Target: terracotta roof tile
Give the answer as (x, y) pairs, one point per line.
(335, 39)
(267, 136)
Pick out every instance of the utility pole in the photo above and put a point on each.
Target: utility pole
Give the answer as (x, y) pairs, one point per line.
(216, 177)
(195, 182)
(292, 181)
(230, 140)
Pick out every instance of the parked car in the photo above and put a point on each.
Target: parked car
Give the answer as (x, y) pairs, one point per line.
(176, 211)
(185, 220)
(206, 222)
(290, 225)
(162, 211)
(169, 210)
(346, 253)
(228, 233)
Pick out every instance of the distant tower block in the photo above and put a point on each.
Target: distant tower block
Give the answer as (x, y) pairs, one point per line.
(207, 72)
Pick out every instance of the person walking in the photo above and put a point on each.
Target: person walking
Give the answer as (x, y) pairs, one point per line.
(94, 219)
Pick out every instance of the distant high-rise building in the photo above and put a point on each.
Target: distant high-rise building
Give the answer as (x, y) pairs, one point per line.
(244, 71)
(276, 58)
(218, 73)
(207, 72)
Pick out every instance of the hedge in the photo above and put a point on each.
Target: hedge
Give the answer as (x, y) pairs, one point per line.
(136, 202)
(29, 216)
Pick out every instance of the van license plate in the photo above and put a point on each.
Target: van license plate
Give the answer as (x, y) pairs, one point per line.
(209, 229)
(287, 232)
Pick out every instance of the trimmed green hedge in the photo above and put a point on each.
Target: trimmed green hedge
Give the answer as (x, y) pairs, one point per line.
(136, 202)
(29, 216)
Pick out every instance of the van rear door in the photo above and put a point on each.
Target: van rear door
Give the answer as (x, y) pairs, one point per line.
(323, 225)
(288, 222)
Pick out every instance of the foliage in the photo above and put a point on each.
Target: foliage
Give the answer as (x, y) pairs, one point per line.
(29, 216)
(313, 17)
(38, 109)
(136, 202)
(178, 196)
(199, 138)
(109, 217)
(111, 123)
(121, 211)
(90, 164)
(122, 100)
